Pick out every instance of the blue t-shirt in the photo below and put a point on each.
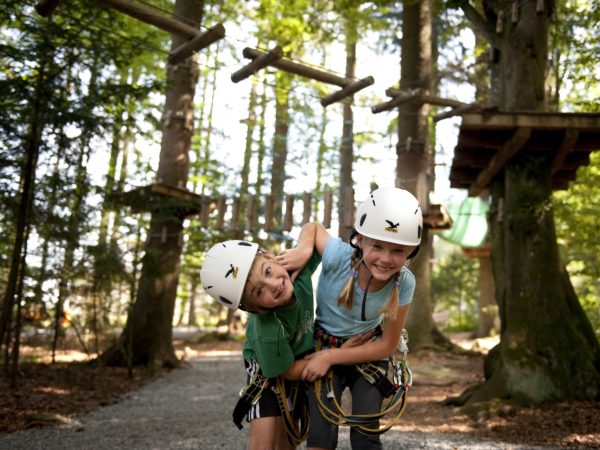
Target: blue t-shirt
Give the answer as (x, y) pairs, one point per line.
(338, 320)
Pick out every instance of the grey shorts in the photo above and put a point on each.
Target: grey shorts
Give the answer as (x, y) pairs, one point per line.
(366, 399)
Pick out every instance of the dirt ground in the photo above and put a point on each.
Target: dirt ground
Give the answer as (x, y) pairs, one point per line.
(47, 395)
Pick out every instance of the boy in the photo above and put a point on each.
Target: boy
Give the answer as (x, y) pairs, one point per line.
(279, 333)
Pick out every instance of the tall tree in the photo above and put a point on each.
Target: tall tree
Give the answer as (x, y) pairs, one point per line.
(414, 167)
(556, 356)
(147, 337)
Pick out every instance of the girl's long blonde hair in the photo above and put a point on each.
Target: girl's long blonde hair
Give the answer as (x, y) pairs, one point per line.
(346, 297)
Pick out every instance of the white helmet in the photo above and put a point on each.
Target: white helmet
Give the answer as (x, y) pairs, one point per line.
(225, 270)
(390, 215)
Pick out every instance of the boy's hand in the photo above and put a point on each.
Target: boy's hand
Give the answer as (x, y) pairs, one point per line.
(294, 260)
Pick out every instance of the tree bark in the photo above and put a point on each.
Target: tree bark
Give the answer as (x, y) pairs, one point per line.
(147, 337)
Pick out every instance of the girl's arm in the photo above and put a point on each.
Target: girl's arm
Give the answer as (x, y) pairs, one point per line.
(313, 236)
(320, 362)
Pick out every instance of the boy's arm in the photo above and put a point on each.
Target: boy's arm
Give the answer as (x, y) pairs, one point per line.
(295, 371)
(313, 236)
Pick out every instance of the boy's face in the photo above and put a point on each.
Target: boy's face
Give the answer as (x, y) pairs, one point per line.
(269, 284)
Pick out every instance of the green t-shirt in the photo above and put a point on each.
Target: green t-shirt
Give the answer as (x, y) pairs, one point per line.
(275, 338)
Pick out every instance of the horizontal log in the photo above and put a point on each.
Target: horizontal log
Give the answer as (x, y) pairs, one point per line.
(258, 63)
(347, 91)
(197, 43)
(300, 69)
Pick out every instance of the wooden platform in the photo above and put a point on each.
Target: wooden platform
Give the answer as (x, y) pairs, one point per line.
(159, 196)
(487, 141)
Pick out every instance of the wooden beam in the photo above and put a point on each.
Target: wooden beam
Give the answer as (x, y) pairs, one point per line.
(150, 16)
(301, 69)
(197, 43)
(499, 160)
(393, 103)
(347, 91)
(569, 141)
(455, 112)
(536, 119)
(258, 63)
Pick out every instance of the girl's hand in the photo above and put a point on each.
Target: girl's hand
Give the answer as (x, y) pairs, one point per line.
(293, 260)
(359, 339)
(317, 366)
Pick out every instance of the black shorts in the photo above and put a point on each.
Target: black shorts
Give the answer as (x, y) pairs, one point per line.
(268, 404)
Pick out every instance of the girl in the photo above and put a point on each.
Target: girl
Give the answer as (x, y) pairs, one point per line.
(363, 284)
(279, 332)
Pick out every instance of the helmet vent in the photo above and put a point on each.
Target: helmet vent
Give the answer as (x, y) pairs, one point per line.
(419, 231)
(363, 218)
(224, 300)
(245, 244)
(416, 210)
(373, 200)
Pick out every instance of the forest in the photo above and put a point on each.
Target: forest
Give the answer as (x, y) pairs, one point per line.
(135, 134)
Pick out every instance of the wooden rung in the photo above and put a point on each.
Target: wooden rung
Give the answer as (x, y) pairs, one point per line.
(258, 63)
(46, 7)
(288, 219)
(539, 6)
(349, 90)
(327, 207)
(514, 14)
(500, 23)
(307, 200)
(197, 43)
(300, 69)
(221, 209)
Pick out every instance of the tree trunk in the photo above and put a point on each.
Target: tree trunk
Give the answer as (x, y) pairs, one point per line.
(26, 191)
(280, 150)
(346, 202)
(147, 337)
(415, 159)
(488, 310)
(548, 350)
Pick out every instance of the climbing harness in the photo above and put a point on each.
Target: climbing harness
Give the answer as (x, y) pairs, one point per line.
(250, 395)
(375, 375)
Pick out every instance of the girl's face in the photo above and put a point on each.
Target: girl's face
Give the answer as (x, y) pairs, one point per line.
(269, 284)
(384, 259)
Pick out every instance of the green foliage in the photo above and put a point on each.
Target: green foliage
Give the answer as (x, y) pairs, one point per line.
(576, 217)
(455, 291)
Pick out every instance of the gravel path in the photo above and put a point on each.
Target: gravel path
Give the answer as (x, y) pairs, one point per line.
(190, 408)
